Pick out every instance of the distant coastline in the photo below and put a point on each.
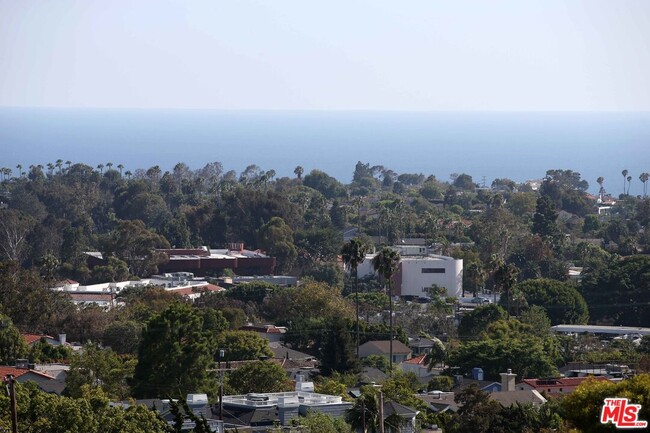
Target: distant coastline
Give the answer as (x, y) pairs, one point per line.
(517, 145)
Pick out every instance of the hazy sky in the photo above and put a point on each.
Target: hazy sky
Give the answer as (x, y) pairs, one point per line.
(352, 54)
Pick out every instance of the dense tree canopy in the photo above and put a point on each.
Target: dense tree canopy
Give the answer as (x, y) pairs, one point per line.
(620, 293)
(562, 302)
(175, 355)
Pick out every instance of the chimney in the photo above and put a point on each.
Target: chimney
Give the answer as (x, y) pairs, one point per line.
(508, 381)
(62, 339)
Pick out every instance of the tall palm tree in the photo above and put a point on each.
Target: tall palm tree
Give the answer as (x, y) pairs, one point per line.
(69, 164)
(58, 164)
(353, 253)
(386, 263)
(100, 167)
(643, 177)
(629, 183)
(120, 167)
(495, 263)
(20, 170)
(475, 276)
(109, 165)
(128, 174)
(506, 277)
(298, 171)
(600, 181)
(624, 173)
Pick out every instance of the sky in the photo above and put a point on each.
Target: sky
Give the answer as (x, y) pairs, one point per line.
(510, 55)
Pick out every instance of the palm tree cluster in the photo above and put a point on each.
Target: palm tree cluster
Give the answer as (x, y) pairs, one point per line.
(353, 253)
(643, 177)
(52, 168)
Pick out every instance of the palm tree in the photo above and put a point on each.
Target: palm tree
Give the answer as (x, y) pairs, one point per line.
(629, 182)
(475, 276)
(298, 171)
(353, 253)
(100, 167)
(600, 181)
(624, 173)
(386, 263)
(437, 354)
(109, 165)
(506, 277)
(128, 174)
(643, 177)
(120, 167)
(69, 164)
(59, 164)
(495, 263)
(50, 168)
(20, 170)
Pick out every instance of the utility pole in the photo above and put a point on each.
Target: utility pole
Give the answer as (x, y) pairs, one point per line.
(221, 355)
(363, 415)
(10, 381)
(381, 411)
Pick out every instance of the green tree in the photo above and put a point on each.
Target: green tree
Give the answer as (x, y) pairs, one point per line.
(258, 376)
(353, 254)
(437, 355)
(478, 320)
(545, 220)
(123, 337)
(475, 276)
(307, 301)
(507, 344)
(618, 294)
(365, 411)
(337, 349)
(276, 238)
(440, 383)
(386, 264)
(583, 406)
(14, 229)
(12, 344)
(318, 422)
(243, 345)
(97, 367)
(329, 273)
(561, 301)
(505, 277)
(136, 245)
(44, 352)
(42, 412)
(174, 355)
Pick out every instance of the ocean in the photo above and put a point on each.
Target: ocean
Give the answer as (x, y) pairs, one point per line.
(485, 145)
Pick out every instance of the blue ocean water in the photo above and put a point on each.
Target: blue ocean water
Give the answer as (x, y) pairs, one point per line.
(519, 146)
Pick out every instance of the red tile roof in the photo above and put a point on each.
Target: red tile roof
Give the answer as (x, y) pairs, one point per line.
(418, 360)
(17, 372)
(33, 338)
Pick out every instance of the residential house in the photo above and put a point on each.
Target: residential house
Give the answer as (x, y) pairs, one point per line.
(416, 365)
(401, 352)
(261, 411)
(24, 372)
(557, 385)
(270, 332)
(419, 270)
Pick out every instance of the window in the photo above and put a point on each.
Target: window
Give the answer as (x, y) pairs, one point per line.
(433, 270)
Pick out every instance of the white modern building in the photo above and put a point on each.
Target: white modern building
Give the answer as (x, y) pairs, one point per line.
(419, 270)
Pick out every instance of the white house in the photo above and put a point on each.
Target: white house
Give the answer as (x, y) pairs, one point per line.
(419, 270)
